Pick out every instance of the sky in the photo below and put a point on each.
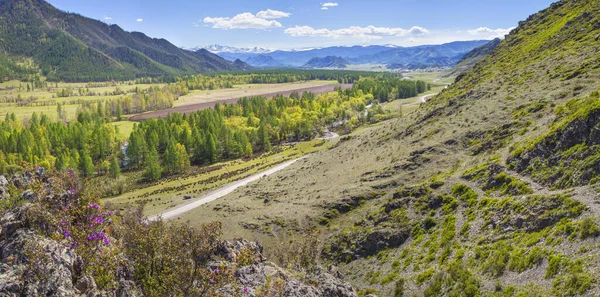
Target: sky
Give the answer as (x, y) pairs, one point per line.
(289, 24)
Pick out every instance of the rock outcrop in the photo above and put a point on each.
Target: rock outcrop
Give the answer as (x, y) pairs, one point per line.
(34, 265)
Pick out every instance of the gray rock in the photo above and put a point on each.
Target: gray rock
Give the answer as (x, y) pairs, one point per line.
(334, 287)
(597, 37)
(229, 250)
(297, 289)
(3, 181)
(85, 284)
(28, 196)
(127, 288)
(55, 278)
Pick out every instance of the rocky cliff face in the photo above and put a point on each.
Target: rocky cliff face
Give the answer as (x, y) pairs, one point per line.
(35, 265)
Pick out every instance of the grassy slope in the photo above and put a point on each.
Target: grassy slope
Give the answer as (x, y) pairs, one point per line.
(507, 98)
(169, 192)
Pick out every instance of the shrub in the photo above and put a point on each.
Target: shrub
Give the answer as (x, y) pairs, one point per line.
(429, 223)
(399, 288)
(389, 278)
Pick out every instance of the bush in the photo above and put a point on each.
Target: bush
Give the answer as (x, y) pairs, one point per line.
(399, 288)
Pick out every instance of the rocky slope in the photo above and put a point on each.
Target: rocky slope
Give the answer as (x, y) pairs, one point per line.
(34, 264)
(488, 189)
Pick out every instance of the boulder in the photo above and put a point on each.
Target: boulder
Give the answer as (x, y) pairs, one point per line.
(28, 196)
(334, 287)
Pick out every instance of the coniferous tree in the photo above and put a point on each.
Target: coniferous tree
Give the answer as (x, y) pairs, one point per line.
(86, 164)
(115, 170)
(211, 148)
(153, 169)
(183, 161)
(170, 158)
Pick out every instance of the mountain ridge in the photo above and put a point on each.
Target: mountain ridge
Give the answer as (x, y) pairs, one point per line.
(375, 54)
(71, 47)
(326, 62)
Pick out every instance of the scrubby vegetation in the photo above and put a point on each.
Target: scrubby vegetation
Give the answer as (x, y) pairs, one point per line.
(569, 154)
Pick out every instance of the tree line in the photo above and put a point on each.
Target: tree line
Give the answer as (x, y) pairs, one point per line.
(169, 146)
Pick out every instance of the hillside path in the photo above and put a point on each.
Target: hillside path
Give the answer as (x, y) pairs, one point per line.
(216, 194)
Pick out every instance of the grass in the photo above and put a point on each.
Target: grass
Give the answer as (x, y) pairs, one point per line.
(410, 104)
(125, 129)
(245, 90)
(14, 88)
(169, 192)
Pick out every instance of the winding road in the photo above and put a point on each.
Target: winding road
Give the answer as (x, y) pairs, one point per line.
(424, 98)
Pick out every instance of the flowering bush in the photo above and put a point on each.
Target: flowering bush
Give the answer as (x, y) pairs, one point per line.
(68, 213)
(167, 259)
(174, 259)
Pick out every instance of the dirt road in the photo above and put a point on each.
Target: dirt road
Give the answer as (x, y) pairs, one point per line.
(200, 106)
(226, 189)
(214, 195)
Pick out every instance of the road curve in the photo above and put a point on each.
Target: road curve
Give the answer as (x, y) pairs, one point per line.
(216, 194)
(200, 106)
(424, 98)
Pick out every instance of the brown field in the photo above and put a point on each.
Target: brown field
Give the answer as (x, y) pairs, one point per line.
(200, 106)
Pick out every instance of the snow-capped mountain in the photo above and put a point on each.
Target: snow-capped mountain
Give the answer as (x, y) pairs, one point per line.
(217, 49)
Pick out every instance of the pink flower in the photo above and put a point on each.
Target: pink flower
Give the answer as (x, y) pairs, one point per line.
(212, 281)
(94, 205)
(66, 234)
(217, 270)
(245, 290)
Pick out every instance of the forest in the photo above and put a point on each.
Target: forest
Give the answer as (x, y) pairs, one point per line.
(168, 146)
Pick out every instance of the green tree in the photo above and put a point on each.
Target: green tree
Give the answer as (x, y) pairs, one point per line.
(263, 138)
(171, 157)
(153, 169)
(211, 148)
(114, 170)
(86, 165)
(183, 161)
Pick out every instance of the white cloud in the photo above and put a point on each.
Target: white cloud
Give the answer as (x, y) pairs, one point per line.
(330, 4)
(272, 14)
(107, 18)
(324, 8)
(370, 32)
(491, 33)
(140, 20)
(242, 21)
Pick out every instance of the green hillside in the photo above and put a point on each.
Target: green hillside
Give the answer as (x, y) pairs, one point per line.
(488, 189)
(70, 47)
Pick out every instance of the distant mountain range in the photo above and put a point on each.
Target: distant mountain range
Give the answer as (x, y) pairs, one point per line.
(327, 62)
(70, 47)
(419, 57)
(263, 61)
(217, 49)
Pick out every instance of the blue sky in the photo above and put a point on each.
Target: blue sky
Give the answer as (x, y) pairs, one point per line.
(286, 24)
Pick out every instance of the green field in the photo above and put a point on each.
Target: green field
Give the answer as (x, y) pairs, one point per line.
(44, 100)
